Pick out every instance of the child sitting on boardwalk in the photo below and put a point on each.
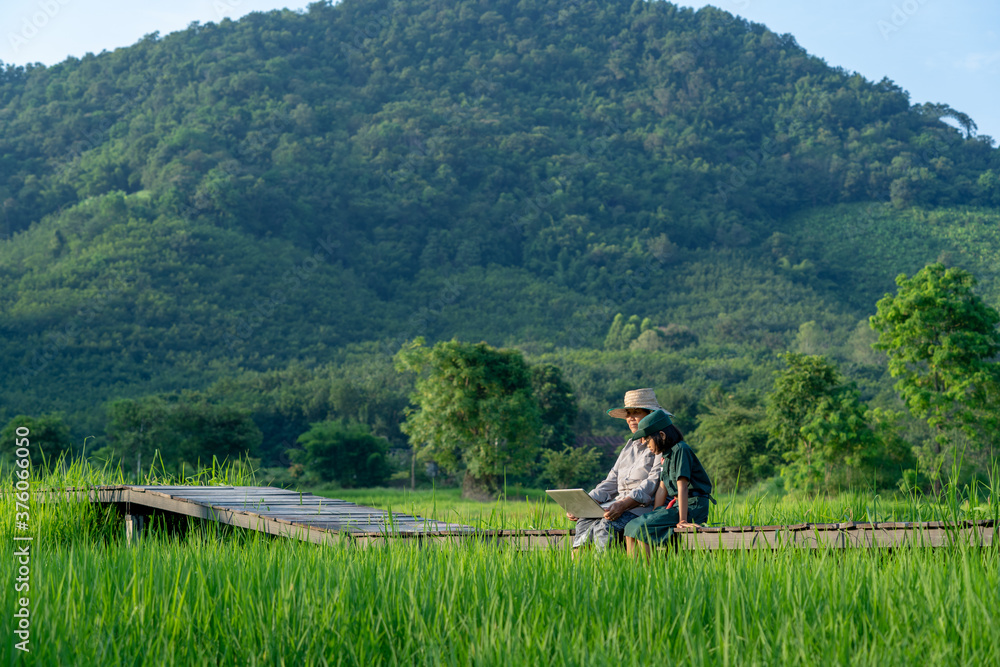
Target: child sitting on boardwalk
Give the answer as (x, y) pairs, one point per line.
(682, 477)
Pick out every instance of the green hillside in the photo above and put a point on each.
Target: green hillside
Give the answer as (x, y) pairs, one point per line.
(860, 248)
(309, 190)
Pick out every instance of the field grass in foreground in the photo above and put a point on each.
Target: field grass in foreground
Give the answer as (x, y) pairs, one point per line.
(247, 600)
(221, 596)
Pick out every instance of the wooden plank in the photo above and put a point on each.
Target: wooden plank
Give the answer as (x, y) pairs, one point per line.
(140, 487)
(240, 495)
(713, 541)
(215, 491)
(302, 511)
(211, 498)
(344, 515)
(204, 505)
(877, 537)
(280, 502)
(99, 495)
(822, 526)
(261, 498)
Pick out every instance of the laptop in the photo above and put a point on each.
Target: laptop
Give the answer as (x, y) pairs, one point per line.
(577, 503)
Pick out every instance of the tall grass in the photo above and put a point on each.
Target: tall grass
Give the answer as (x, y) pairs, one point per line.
(60, 517)
(224, 596)
(67, 472)
(952, 504)
(535, 511)
(283, 602)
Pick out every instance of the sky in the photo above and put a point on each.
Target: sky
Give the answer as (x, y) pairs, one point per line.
(944, 51)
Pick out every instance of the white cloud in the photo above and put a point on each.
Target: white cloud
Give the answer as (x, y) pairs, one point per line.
(977, 62)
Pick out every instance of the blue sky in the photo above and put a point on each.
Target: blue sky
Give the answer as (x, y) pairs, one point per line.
(938, 50)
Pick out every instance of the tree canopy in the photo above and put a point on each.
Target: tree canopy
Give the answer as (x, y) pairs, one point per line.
(344, 453)
(183, 429)
(818, 424)
(475, 410)
(943, 343)
(48, 438)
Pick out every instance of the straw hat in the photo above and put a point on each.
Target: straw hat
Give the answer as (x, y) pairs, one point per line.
(637, 398)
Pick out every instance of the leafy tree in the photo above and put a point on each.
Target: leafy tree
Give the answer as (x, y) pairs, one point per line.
(475, 411)
(48, 438)
(817, 423)
(937, 110)
(894, 457)
(811, 338)
(612, 341)
(942, 341)
(622, 332)
(570, 467)
(209, 430)
(677, 336)
(184, 429)
(859, 345)
(630, 331)
(137, 428)
(650, 340)
(346, 453)
(988, 187)
(732, 441)
(557, 404)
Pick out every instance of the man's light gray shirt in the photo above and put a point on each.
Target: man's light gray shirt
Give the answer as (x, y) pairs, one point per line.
(635, 474)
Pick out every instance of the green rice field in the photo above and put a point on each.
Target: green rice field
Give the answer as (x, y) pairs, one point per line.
(221, 596)
(537, 511)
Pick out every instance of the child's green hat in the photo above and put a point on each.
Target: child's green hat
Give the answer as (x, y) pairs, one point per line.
(650, 424)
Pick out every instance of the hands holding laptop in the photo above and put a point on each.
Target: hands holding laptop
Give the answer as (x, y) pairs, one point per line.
(612, 511)
(619, 507)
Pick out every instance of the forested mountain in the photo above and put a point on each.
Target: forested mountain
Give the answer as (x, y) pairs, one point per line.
(314, 188)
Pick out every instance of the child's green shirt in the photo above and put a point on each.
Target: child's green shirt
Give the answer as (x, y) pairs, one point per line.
(679, 462)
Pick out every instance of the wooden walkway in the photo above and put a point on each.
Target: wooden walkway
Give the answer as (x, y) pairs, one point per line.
(325, 520)
(273, 511)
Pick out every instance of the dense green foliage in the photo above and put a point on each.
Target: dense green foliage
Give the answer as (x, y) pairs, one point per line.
(180, 430)
(414, 158)
(943, 344)
(49, 438)
(571, 467)
(818, 425)
(733, 443)
(475, 412)
(345, 453)
(557, 405)
(261, 212)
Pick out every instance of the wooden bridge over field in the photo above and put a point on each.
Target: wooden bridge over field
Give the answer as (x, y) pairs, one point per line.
(323, 520)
